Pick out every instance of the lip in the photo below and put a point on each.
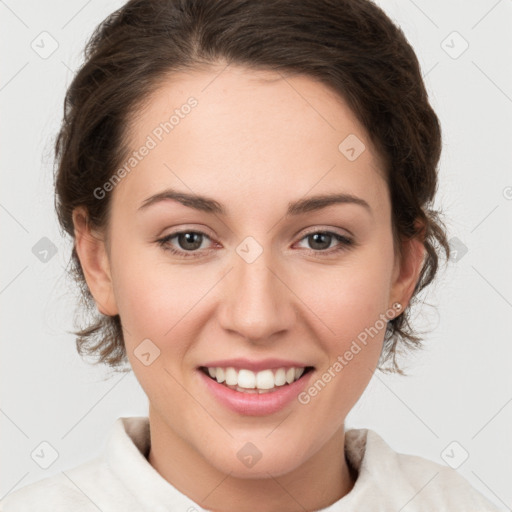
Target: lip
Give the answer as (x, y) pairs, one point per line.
(255, 366)
(254, 404)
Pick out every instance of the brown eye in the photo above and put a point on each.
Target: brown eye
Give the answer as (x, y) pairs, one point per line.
(189, 243)
(320, 242)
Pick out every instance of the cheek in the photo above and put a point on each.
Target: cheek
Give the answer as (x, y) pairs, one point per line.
(161, 301)
(351, 302)
(351, 324)
(351, 297)
(149, 294)
(156, 296)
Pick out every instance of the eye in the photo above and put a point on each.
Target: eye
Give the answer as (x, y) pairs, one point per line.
(190, 243)
(321, 240)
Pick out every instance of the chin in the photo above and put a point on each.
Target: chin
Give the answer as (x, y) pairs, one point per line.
(248, 462)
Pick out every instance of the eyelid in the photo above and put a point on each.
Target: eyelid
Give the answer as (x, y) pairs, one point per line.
(345, 243)
(320, 229)
(301, 233)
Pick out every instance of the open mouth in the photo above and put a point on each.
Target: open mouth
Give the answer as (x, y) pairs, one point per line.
(247, 381)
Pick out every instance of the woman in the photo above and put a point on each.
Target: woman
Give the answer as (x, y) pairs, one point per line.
(248, 186)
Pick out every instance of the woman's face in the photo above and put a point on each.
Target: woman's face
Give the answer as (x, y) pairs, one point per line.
(251, 287)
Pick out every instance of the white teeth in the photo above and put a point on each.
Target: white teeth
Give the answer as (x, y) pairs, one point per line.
(219, 375)
(246, 379)
(231, 376)
(264, 379)
(256, 382)
(280, 377)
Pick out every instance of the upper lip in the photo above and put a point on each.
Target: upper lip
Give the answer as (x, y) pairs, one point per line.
(255, 366)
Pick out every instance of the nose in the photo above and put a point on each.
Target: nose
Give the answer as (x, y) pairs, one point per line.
(257, 302)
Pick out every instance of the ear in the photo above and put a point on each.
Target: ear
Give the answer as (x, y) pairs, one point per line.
(407, 269)
(91, 250)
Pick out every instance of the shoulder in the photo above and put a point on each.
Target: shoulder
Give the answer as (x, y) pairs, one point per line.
(97, 484)
(403, 478)
(74, 489)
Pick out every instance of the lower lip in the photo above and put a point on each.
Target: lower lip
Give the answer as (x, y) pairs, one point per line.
(255, 404)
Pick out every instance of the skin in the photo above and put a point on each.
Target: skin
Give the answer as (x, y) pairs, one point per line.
(254, 142)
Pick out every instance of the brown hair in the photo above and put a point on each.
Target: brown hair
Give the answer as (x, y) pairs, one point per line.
(348, 45)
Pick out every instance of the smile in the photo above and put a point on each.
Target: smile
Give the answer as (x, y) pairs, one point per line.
(247, 381)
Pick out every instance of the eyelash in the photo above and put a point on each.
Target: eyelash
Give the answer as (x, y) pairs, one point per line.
(345, 244)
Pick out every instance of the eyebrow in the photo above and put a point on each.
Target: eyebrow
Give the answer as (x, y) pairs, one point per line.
(209, 205)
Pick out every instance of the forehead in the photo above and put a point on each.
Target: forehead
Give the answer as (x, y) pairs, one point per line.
(231, 130)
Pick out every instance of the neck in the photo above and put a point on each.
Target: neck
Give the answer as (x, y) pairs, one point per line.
(322, 480)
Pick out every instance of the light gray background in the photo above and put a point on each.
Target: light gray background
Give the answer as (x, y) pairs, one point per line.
(459, 388)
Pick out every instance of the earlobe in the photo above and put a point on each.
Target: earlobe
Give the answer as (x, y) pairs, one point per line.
(91, 250)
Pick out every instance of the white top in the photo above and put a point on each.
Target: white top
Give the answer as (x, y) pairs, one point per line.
(122, 479)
